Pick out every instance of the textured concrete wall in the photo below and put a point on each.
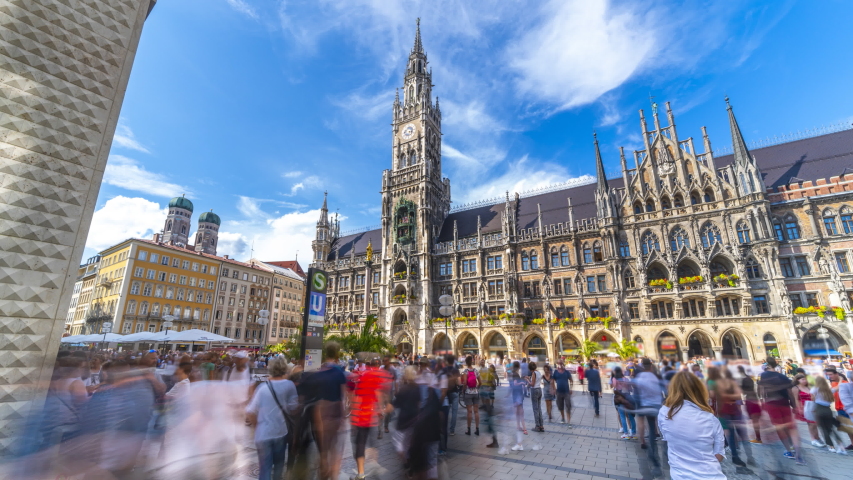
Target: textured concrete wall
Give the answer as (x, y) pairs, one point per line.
(64, 67)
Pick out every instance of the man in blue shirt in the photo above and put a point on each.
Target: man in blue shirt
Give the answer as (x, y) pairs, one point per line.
(562, 379)
(593, 377)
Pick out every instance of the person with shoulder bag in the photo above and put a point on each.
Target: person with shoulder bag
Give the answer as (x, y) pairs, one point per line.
(269, 411)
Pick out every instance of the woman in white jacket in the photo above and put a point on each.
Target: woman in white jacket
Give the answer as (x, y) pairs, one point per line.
(692, 432)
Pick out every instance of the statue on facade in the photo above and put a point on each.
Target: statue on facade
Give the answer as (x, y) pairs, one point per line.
(823, 263)
(617, 308)
(785, 305)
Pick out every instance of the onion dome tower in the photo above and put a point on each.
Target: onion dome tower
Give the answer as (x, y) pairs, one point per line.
(177, 226)
(208, 233)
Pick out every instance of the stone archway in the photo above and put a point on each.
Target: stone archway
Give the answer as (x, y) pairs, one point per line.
(735, 345)
(441, 344)
(667, 345)
(534, 346)
(567, 345)
(496, 345)
(467, 344)
(404, 345)
(816, 346)
(699, 344)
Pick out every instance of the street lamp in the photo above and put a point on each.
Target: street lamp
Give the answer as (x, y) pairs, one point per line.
(823, 334)
(168, 322)
(263, 319)
(446, 310)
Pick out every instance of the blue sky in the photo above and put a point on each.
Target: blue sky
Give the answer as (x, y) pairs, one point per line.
(253, 108)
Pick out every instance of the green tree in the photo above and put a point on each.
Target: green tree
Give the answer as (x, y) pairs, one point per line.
(588, 348)
(370, 338)
(625, 349)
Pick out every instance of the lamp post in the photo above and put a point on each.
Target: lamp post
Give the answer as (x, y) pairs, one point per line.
(446, 310)
(168, 322)
(263, 319)
(823, 334)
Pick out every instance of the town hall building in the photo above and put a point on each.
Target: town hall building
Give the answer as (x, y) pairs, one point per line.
(688, 253)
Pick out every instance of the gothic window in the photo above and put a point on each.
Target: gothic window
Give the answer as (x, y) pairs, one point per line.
(743, 232)
(685, 270)
(401, 162)
(555, 257)
(846, 220)
(664, 203)
(525, 261)
(638, 207)
(404, 222)
(564, 256)
(649, 243)
(710, 235)
(624, 248)
(694, 198)
(413, 160)
(411, 94)
(587, 253)
(183, 229)
(745, 185)
(779, 231)
(752, 269)
(709, 195)
(718, 268)
(597, 253)
(678, 238)
(169, 226)
(829, 222)
(534, 260)
(655, 273)
(792, 229)
(650, 205)
(678, 200)
(629, 279)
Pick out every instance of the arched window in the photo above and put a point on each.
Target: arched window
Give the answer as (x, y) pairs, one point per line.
(709, 195)
(134, 288)
(649, 243)
(131, 307)
(564, 256)
(525, 261)
(718, 268)
(597, 253)
(183, 229)
(743, 232)
(678, 200)
(710, 235)
(401, 162)
(624, 248)
(629, 279)
(846, 220)
(694, 198)
(792, 229)
(678, 238)
(664, 203)
(534, 260)
(638, 207)
(779, 230)
(143, 308)
(155, 309)
(829, 222)
(411, 94)
(650, 205)
(197, 314)
(413, 160)
(587, 253)
(655, 273)
(752, 269)
(686, 270)
(169, 226)
(555, 257)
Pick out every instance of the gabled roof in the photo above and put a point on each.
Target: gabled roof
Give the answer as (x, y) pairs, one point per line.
(358, 242)
(802, 160)
(291, 264)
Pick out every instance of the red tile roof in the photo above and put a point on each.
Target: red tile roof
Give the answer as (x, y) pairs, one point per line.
(291, 264)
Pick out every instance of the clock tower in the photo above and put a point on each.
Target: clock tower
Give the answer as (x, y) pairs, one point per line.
(415, 197)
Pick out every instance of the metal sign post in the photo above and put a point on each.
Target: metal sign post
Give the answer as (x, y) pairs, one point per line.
(313, 320)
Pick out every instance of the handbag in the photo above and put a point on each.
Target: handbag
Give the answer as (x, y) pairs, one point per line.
(287, 420)
(808, 410)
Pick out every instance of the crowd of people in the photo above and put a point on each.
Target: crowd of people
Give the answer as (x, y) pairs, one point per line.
(124, 412)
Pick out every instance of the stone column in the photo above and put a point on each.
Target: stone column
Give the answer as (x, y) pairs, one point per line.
(64, 70)
(718, 353)
(684, 352)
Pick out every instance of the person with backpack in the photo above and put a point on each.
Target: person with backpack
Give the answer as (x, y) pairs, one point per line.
(268, 411)
(471, 394)
(622, 399)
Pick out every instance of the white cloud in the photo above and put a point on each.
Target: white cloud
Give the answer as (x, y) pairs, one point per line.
(121, 218)
(294, 174)
(370, 107)
(243, 7)
(580, 51)
(129, 174)
(124, 138)
(522, 175)
(251, 207)
(278, 238)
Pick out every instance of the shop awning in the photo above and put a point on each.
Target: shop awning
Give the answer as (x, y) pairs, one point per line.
(823, 353)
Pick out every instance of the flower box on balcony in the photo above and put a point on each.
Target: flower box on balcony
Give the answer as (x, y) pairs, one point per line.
(661, 282)
(730, 280)
(690, 280)
(821, 311)
(538, 321)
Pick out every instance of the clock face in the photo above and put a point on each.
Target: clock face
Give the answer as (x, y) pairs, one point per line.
(408, 131)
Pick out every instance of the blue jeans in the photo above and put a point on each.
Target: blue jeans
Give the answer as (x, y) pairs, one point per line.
(453, 398)
(595, 396)
(627, 419)
(271, 455)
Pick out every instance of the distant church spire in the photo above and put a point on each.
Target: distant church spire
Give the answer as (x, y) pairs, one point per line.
(324, 211)
(418, 48)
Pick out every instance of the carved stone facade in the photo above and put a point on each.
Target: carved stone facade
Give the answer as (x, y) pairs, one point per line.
(688, 253)
(63, 75)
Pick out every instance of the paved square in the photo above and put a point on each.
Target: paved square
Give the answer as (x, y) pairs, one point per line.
(588, 448)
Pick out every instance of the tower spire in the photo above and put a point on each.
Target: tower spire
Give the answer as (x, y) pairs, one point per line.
(324, 210)
(741, 153)
(418, 48)
(599, 166)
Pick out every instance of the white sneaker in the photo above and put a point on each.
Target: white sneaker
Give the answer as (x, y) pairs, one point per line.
(517, 448)
(841, 451)
(818, 443)
(625, 436)
(562, 421)
(503, 451)
(621, 430)
(831, 450)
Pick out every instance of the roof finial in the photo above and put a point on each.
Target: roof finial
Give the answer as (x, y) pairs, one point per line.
(418, 48)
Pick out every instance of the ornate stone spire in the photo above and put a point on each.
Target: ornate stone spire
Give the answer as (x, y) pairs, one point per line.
(599, 166)
(741, 153)
(418, 48)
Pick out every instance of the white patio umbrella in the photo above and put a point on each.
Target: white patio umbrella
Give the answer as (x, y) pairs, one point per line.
(100, 337)
(137, 337)
(162, 337)
(72, 339)
(198, 335)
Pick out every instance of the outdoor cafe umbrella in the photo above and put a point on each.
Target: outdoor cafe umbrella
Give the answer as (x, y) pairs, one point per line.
(137, 337)
(197, 335)
(101, 337)
(72, 339)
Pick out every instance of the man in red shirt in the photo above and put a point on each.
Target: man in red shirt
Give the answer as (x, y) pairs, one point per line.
(368, 398)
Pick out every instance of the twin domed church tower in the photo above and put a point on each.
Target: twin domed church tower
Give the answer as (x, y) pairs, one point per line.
(177, 227)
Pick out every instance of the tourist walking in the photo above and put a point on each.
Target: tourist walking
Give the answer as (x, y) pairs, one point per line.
(516, 385)
(368, 398)
(535, 382)
(622, 400)
(548, 390)
(693, 434)
(802, 391)
(823, 398)
(650, 394)
(836, 380)
(729, 412)
(325, 390)
(268, 411)
(470, 380)
(750, 400)
(775, 388)
(594, 384)
(562, 382)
